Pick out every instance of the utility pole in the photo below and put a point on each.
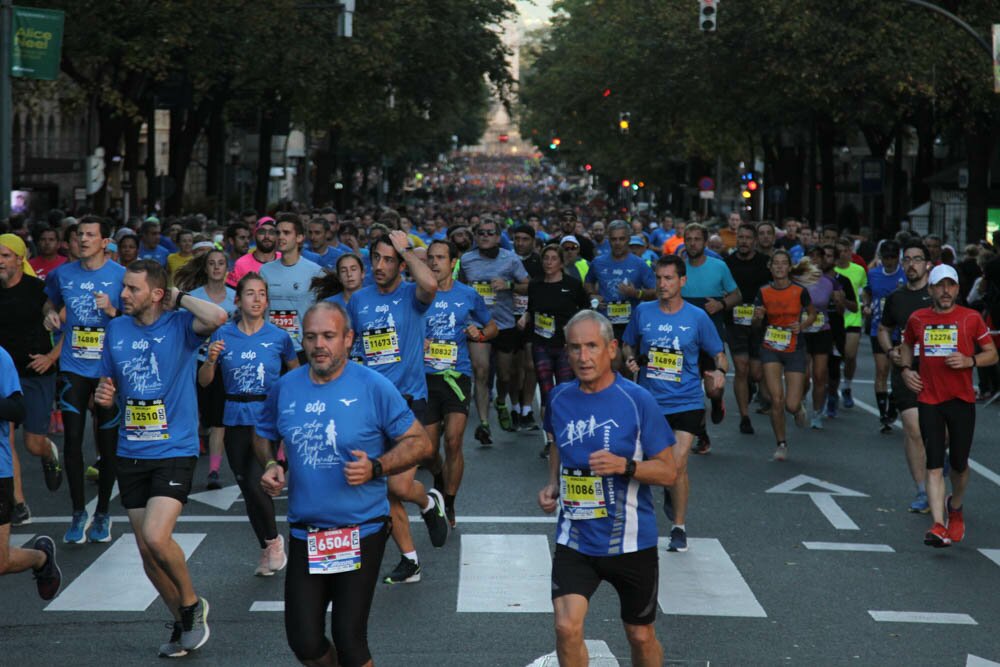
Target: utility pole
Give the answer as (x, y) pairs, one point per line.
(6, 108)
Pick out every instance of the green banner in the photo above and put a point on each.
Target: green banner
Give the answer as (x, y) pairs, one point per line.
(37, 43)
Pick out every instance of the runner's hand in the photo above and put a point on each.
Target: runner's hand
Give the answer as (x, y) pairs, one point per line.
(957, 361)
(627, 290)
(170, 299)
(604, 463)
(912, 380)
(895, 356)
(53, 321)
(795, 327)
(400, 241)
(759, 312)
(273, 480)
(632, 365)
(499, 284)
(104, 395)
(717, 379)
(712, 306)
(215, 349)
(102, 301)
(358, 471)
(40, 363)
(548, 498)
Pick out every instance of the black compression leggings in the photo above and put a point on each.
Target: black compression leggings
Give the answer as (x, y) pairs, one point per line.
(951, 424)
(75, 392)
(307, 596)
(260, 508)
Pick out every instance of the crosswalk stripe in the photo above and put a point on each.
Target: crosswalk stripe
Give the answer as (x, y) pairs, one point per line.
(848, 546)
(275, 605)
(704, 581)
(505, 573)
(116, 580)
(922, 617)
(992, 554)
(22, 540)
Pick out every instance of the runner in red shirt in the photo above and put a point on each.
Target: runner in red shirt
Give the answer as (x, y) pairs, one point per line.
(946, 337)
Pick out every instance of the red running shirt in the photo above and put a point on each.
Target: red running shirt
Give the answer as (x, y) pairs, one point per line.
(937, 335)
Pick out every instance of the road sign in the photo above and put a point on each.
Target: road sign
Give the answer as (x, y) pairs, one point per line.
(707, 194)
(822, 499)
(706, 183)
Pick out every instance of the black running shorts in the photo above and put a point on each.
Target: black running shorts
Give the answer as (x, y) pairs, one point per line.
(142, 479)
(634, 575)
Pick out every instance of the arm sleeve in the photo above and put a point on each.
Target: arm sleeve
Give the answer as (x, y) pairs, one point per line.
(647, 279)
(481, 312)
(888, 320)
(192, 339)
(979, 329)
(53, 290)
(849, 292)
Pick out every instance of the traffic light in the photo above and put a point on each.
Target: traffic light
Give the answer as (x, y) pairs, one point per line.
(752, 186)
(626, 183)
(554, 144)
(707, 15)
(624, 120)
(588, 167)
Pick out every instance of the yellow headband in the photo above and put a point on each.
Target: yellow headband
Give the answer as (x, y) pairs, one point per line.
(14, 243)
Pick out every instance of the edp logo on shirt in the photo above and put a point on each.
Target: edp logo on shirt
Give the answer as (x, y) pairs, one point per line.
(140, 345)
(316, 407)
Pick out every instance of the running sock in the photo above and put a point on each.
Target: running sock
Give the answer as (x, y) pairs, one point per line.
(681, 526)
(412, 555)
(449, 501)
(526, 410)
(882, 400)
(516, 408)
(430, 504)
(922, 487)
(845, 384)
(439, 482)
(214, 461)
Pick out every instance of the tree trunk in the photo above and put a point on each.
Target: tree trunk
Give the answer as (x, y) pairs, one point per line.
(828, 174)
(892, 225)
(266, 131)
(185, 128)
(979, 144)
(132, 166)
(110, 131)
(326, 164)
(924, 124)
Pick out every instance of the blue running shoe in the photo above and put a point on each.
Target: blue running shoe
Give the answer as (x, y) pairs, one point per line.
(920, 504)
(678, 540)
(75, 534)
(100, 528)
(848, 401)
(831, 405)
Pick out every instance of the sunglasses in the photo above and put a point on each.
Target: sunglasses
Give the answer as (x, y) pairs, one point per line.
(486, 232)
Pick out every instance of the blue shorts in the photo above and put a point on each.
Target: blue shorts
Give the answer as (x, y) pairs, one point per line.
(39, 392)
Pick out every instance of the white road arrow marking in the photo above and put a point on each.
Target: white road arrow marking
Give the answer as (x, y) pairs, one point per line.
(976, 661)
(822, 499)
(221, 499)
(600, 656)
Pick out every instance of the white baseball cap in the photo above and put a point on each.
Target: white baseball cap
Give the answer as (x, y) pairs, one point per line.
(942, 272)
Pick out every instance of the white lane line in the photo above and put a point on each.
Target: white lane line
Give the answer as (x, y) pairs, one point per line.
(92, 505)
(222, 499)
(976, 661)
(992, 554)
(505, 573)
(832, 511)
(22, 540)
(116, 580)
(238, 518)
(978, 467)
(922, 617)
(275, 605)
(704, 581)
(848, 546)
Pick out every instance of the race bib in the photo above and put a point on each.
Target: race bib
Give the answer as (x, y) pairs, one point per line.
(940, 340)
(145, 420)
(817, 324)
(582, 495)
(520, 304)
(545, 325)
(381, 346)
(334, 550)
(743, 314)
(441, 354)
(287, 320)
(665, 364)
(485, 290)
(87, 342)
(778, 339)
(619, 311)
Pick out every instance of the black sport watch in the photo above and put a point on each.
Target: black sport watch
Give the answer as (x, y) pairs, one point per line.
(376, 468)
(629, 469)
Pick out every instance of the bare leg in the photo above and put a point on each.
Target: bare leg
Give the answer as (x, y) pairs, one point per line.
(570, 612)
(162, 558)
(741, 384)
(772, 376)
(646, 649)
(681, 489)
(15, 559)
(480, 355)
(913, 446)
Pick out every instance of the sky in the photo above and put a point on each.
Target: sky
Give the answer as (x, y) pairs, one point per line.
(534, 11)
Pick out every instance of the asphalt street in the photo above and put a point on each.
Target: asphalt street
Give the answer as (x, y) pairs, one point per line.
(814, 561)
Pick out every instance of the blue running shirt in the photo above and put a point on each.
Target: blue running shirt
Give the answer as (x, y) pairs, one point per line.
(321, 424)
(608, 273)
(446, 320)
(250, 364)
(288, 294)
(672, 343)
(480, 270)
(711, 280)
(86, 327)
(153, 368)
(880, 286)
(625, 420)
(391, 330)
(9, 385)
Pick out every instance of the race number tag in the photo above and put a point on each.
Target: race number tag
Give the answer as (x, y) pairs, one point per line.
(665, 364)
(87, 342)
(520, 304)
(381, 346)
(441, 355)
(145, 420)
(743, 314)
(582, 495)
(778, 339)
(485, 290)
(817, 324)
(334, 551)
(940, 340)
(619, 311)
(545, 325)
(288, 320)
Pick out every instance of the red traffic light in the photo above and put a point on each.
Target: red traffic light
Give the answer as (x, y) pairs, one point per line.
(752, 186)
(626, 183)
(588, 167)
(606, 93)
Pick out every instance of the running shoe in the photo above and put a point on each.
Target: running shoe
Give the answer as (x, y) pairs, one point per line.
(718, 410)
(21, 515)
(668, 505)
(51, 469)
(802, 417)
(194, 619)
(817, 422)
(483, 434)
(780, 452)
(746, 426)
(406, 572)
(77, 528)
(503, 416)
(173, 648)
(956, 523)
(437, 523)
(886, 427)
(765, 408)
(272, 558)
(703, 445)
(92, 474)
(100, 528)
(528, 422)
(515, 420)
(848, 400)
(49, 578)
(831, 405)
(678, 540)
(937, 537)
(263, 568)
(544, 454)
(920, 504)
(213, 481)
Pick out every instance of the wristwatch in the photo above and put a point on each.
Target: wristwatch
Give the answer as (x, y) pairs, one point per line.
(630, 469)
(376, 468)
